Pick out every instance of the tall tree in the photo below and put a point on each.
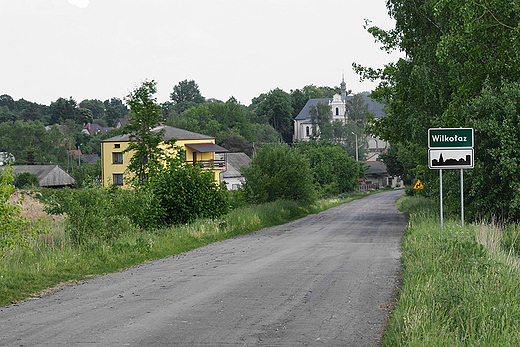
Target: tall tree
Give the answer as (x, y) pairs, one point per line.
(63, 109)
(145, 113)
(277, 109)
(321, 118)
(456, 51)
(114, 109)
(97, 107)
(186, 91)
(7, 100)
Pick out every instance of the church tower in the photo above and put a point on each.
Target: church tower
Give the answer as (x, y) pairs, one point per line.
(338, 102)
(343, 89)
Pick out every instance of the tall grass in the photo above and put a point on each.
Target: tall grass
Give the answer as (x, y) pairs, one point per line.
(460, 285)
(54, 258)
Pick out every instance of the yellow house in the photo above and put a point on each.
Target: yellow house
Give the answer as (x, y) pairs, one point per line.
(200, 150)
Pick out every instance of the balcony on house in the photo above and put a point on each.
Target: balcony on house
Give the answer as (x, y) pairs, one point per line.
(206, 155)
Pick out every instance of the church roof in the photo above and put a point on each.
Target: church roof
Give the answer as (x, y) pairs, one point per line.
(373, 106)
(304, 113)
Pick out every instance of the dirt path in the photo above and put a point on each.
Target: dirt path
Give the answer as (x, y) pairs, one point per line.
(323, 280)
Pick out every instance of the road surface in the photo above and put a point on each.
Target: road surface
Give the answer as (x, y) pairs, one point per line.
(323, 280)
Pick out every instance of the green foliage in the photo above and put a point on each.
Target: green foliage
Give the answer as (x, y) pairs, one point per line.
(495, 180)
(458, 55)
(183, 192)
(186, 94)
(26, 179)
(145, 115)
(30, 143)
(15, 232)
(63, 109)
(97, 214)
(114, 109)
(399, 162)
(87, 175)
(96, 107)
(186, 91)
(277, 109)
(277, 172)
(334, 171)
(321, 118)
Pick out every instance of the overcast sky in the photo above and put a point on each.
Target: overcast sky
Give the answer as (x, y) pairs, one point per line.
(100, 49)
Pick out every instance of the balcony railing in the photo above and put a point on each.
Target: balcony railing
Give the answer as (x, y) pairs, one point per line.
(209, 164)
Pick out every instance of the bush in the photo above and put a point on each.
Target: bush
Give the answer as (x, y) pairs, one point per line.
(101, 213)
(26, 179)
(277, 172)
(184, 192)
(15, 232)
(333, 169)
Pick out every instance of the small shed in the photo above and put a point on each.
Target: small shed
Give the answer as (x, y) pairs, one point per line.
(232, 175)
(52, 176)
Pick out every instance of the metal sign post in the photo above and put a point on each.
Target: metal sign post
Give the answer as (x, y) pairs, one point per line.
(462, 197)
(451, 148)
(440, 180)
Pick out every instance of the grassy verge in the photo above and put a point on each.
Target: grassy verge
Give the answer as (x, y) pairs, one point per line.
(53, 259)
(460, 286)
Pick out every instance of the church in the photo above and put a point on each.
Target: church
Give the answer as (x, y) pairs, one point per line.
(337, 104)
(376, 171)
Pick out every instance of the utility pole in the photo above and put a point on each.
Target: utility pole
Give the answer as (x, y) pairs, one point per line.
(357, 159)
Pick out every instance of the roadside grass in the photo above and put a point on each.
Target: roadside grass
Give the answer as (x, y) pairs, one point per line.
(53, 259)
(460, 285)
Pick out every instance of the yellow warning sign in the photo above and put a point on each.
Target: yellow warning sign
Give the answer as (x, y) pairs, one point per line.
(418, 185)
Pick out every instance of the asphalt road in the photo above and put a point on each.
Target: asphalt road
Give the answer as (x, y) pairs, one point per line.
(323, 280)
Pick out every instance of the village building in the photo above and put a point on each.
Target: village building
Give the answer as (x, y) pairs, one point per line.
(232, 175)
(376, 146)
(199, 150)
(50, 176)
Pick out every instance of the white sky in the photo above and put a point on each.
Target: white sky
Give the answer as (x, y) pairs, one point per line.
(100, 49)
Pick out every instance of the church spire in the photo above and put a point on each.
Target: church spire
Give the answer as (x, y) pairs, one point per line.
(343, 87)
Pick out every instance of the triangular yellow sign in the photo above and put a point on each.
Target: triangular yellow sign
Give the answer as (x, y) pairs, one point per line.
(418, 185)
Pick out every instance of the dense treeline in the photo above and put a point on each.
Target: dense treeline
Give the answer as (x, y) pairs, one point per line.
(239, 128)
(461, 69)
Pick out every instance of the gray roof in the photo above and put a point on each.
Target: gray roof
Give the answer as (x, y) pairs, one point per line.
(48, 175)
(234, 162)
(89, 158)
(377, 168)
(304, 113)
(373, 106)
(169, 133)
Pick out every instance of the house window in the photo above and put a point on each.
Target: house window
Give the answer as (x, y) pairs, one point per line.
(307, 131)
(117, 179)
(337, 111)
(117, 157)
(117, 145)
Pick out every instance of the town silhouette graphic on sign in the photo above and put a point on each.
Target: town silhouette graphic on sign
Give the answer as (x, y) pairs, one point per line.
(452, 161)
